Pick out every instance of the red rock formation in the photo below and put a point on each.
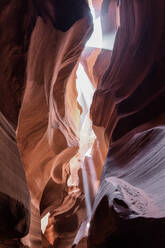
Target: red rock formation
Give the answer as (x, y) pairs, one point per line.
(128, 104)
(55, 46)
(132, 45)
(97, 6)
(41, 45)
(65, 220)
(48, 130)
(139, 232)
(16, 24)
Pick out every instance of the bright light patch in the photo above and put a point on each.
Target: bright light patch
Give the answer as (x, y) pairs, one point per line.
(91, 8)
(93, 175)
(44, 222)
(85, 91)
(84, 86)
(85, 94)
(96, 37)
(108, 41)
(86, 191)
(88, 225)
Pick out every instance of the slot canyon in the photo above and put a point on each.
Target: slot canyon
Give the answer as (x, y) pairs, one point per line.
(82, 123)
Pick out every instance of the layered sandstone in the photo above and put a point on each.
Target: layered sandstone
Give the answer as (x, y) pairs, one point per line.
(55, 135)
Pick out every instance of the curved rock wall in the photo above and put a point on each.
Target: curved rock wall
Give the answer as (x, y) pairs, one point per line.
(128, 104)
(128, 86)
(49, 116)
(48, 129)
(40, 53)
(17, 20)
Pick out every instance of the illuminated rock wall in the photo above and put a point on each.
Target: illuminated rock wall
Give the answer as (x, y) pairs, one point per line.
(40, 49)
(42, 43)
(128, 104)
(48, 129)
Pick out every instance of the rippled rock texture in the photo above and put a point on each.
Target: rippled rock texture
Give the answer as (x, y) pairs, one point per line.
(48, 130)
(133, 85)
(131, 96)
(14, 194)
(41, 43)
(137, 232)
(46, 133)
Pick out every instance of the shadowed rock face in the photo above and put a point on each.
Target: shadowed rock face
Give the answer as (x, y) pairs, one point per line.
(137, 232)
(132, 92)
(133, 85)
(35, 42)
(16, 24)
(12, 244)
(14, 194)
(63, 14)
(121, 203)
(14, 222)
(139, 161)
(134, 232)
(40, 49)
(65, 220)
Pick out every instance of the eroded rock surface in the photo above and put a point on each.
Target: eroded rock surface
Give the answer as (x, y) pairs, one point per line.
(131, 97)
(40, 53)
(45, 39)
(127, 201)
(65, 220)
(14, 194)
(138, 232)
(48, 130)
(132, 87)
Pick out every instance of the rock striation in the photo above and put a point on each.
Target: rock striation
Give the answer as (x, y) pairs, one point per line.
(69, 113)
(128, 108)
